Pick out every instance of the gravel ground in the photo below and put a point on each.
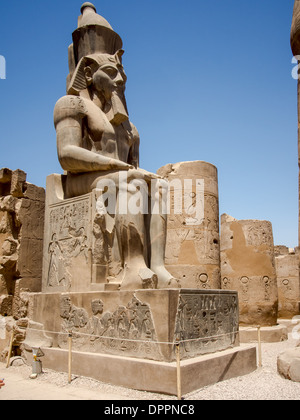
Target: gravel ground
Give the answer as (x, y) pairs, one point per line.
(263, 384)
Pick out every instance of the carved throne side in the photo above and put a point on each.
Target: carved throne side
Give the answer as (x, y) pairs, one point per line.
(81, 252)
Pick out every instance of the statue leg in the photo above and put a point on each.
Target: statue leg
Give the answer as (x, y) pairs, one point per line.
(130, 229)
(158, 236)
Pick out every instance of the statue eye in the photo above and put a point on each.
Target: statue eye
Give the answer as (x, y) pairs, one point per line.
(110, 71)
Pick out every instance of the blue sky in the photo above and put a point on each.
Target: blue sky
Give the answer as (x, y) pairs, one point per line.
(207, 80)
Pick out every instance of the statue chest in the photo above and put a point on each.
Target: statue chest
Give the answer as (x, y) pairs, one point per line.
(100, 136)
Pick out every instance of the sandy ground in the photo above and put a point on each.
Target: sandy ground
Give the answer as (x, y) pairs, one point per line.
(263, 384)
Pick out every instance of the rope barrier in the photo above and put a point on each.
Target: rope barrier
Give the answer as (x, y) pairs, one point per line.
(71, 334)
(174, 343)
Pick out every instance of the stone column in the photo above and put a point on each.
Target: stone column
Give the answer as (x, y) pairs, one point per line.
(248, 266)
(287, 269)
(193, 250)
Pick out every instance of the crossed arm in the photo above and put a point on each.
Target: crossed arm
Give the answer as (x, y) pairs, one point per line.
(76, 159)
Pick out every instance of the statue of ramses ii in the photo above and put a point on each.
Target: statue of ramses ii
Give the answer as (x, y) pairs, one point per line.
(97, 144)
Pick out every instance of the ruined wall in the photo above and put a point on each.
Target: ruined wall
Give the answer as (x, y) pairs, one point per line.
(21, 241)
(287, 269)
(193, 245)
(248, 266)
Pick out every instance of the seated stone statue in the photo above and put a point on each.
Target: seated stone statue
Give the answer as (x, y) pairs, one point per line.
(96, 142)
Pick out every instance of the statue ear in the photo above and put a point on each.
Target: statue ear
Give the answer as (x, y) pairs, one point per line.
(118, 56)
(88, 75)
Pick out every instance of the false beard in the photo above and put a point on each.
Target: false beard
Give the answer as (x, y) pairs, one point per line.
(117, 113)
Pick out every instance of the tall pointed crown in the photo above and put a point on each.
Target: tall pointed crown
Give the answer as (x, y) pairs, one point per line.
(93, 35)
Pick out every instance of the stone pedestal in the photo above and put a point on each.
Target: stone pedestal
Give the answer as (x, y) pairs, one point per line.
(142, 324)
(193, 248)
(154, 376)
(128, 338)
(132, 330)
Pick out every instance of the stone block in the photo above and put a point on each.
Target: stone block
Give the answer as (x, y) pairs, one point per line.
(273, 334)
(154, 376)
(288, 364)
(5, 175)
(18, 180)
(142, 324)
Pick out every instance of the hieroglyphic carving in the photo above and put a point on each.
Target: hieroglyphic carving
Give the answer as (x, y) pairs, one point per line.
(245, 288)
(226, 283)
(258, 234)
(286, 287)
(193, 246)
(129, 329)
(206, 322)
(248, 259)
(267, 285)
(202, 281)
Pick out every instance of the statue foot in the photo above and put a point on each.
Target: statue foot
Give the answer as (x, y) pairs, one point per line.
(166, 280)
(149, 279)
(138, 278)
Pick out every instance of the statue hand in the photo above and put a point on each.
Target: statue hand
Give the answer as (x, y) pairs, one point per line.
(142, 174)
(119, 165)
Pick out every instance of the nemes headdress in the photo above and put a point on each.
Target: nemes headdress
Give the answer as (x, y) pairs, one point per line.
(78, 81)
(93, 37)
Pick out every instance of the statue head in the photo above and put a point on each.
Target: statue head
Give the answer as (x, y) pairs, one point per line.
(95, 64)
(103, 75)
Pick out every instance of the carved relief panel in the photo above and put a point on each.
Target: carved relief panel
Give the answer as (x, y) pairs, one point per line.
(128, 330)
(68, 245)
(206, 322)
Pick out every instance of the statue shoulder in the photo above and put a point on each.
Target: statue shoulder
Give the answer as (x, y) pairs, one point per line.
(69, 107)
(135, 132)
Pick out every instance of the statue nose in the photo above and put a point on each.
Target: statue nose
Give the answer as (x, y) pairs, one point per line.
(119, 80)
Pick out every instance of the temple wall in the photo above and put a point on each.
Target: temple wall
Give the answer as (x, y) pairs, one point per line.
(22, 208)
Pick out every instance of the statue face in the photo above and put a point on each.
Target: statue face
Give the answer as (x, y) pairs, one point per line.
(105, 77)
(109, 78)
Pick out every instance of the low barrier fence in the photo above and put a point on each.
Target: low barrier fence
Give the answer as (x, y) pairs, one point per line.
(176, 346)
